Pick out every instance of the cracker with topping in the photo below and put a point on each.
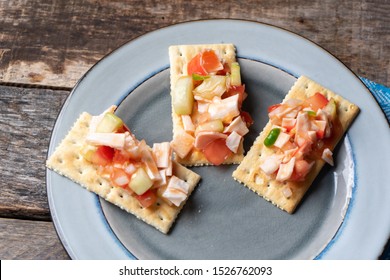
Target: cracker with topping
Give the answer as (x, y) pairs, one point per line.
(130, 176)
(207, 94)
(296, 143)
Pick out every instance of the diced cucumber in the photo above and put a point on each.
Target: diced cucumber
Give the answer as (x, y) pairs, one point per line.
(87, 152)
(182, 97)
(109, 123)
(235, 78)
(140, 181)
(331, 109)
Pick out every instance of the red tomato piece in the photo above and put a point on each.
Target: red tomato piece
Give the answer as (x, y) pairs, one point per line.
(210, 61)
(195, 66)
(204, 63)
(317, 101)
(103, 155)
(147, 199)
(216, 152)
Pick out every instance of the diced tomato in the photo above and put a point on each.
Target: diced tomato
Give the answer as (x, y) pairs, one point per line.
(246, 117)
(273, 107)
(216, 152)
(210, 61)
(317, 101)
(195, 66)
(233, 90)
(119, 177)
(103, 155)
(147, 199)
(204, 63)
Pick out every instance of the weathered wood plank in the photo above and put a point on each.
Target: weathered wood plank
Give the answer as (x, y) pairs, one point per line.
(54, 42)
(27, 118)
(29, 240)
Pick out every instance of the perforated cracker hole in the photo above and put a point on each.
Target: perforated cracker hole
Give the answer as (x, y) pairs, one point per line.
(161, 217)
(60, 160)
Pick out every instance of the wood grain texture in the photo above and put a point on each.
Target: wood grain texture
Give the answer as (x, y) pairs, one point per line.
(54, 42)
(29, 240)
(27, 118)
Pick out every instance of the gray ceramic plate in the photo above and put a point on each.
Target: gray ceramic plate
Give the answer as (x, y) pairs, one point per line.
(345, 215)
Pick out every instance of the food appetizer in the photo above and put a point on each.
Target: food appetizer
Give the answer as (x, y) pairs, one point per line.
(298, 140)
(207, 95)
(101, 154)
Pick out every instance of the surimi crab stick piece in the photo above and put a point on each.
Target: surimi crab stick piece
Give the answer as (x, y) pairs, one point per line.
(295, 144)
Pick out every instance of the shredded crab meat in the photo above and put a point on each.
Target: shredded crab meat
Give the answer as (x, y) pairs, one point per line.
(114, 140)
(233, 141)
(224, 109)
(237, 125)
(176, 191)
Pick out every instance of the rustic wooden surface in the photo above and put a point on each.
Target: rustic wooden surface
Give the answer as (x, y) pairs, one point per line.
(46, 46)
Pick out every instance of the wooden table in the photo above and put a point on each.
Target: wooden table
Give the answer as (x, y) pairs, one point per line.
(46, 46)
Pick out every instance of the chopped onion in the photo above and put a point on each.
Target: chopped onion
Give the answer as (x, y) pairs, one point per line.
(287, 192)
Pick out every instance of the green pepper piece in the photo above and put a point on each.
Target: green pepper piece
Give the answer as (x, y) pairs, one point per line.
(197, 77)
(272, 136)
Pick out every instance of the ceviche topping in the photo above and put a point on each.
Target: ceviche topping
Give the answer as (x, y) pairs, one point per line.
(209, 99)
(302, 132)
(145, 172)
